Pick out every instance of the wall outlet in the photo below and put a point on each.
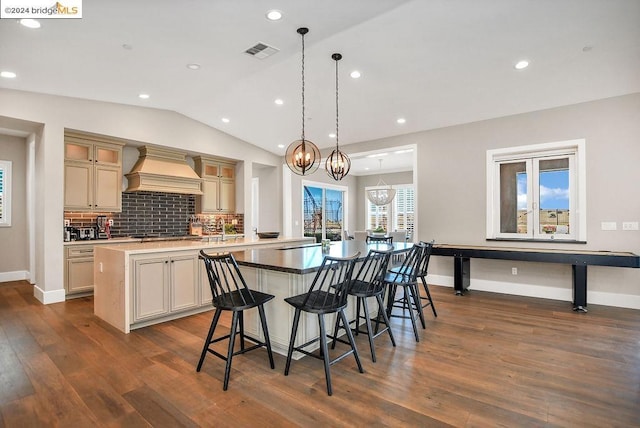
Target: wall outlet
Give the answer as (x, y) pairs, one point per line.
(110, 222)
(67, 223)
(608, 225)
(514, 271)
(629, 225)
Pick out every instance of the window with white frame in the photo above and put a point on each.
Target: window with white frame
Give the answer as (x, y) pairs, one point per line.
(537, 192)
(5, 193)
(398, 215)
(324, 211)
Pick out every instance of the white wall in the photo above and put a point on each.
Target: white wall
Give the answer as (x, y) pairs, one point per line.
(451, 186)
(14, 257)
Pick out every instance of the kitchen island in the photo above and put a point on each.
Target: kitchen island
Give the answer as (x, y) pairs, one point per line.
(289, 271)
(142, 283)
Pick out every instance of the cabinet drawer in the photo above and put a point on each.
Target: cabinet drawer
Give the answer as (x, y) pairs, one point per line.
(84, 251)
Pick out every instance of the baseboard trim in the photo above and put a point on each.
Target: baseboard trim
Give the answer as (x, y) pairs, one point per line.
(530, 290)
(18, 275)
(48, 297)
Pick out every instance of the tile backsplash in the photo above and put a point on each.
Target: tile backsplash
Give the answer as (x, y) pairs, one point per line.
(152, 214)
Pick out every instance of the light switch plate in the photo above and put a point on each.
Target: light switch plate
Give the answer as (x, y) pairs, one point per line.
(608, 225)
(629, 225)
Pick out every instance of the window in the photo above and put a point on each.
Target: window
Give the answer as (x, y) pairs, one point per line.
(323, 211)
(537, 192)
(5, 193)
(398, 215)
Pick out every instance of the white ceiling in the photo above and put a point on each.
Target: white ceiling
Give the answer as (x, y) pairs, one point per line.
(436, 63)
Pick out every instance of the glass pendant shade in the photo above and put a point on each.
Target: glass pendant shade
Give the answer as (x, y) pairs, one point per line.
(382, 194)
(303, 157)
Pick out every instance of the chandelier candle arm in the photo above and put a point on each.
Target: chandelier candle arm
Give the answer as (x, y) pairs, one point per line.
(302, 156)
(338, 163)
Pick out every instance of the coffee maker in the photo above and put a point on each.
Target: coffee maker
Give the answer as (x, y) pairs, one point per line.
(102, 225)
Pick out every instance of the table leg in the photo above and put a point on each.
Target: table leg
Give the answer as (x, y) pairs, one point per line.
(461, 274)
(579, 288)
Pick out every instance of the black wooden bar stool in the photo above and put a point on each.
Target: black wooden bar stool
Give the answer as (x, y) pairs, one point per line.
(367, 283)
(230, 293)
(405, 276)
(327, 295)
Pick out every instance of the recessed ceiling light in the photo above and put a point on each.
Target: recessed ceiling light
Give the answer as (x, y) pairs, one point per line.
(8, 74)
(29, 23)
(279, 102)
(274, 15)
(521, 64)
(366, 169)
(225, 120)
(193, 66)
(281, 146)
(401, 120)
(355, 74)
(143, 96)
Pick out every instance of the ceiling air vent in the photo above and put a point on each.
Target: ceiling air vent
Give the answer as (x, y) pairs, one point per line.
(261, 50)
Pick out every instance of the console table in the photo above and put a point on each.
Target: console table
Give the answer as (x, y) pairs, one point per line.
(579, 260)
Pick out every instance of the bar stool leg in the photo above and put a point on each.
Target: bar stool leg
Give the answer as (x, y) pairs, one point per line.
(232, 339)
(294, 331)
(385, 318)
(265, 330)
(207, 342)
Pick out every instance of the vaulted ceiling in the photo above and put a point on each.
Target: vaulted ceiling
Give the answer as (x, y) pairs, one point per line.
(435, 63)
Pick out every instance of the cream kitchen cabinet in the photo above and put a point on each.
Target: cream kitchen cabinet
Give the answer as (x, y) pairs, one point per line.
(164, 285)
(218, 185)
(78, 270)
(92, 173)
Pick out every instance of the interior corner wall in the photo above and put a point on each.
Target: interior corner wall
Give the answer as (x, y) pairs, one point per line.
(14, 259)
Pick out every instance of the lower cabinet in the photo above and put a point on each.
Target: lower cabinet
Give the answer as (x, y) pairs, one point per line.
(78, 275)
(163, 285)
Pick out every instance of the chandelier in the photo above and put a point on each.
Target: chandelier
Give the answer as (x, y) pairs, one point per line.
(338, 163)
(303, 157)
(383, 194)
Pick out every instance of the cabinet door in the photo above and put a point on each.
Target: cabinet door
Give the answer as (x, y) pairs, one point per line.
(227, 195)
(79, 275)
(108, 188)
(226, 171)
(78, 151)
(184, 282)
(208, 202)
(150, 288)
(205, 288)
(105, 154)
(78, 185)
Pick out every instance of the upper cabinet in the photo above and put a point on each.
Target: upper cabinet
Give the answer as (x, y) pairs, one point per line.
(218, 185)
(92, 173)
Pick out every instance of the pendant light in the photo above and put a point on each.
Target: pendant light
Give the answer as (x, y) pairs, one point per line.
(383, 194)
(338, 163)
(303, 157)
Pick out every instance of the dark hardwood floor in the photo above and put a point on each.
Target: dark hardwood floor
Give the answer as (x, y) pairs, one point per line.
(487, 360)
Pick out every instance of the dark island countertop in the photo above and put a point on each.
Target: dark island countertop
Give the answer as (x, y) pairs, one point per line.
(303, 259)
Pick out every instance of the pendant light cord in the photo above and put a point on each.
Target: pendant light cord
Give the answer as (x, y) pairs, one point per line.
(303, 139)
(337, 133)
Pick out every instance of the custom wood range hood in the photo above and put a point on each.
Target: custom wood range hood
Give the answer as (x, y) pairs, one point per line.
(163, 170)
